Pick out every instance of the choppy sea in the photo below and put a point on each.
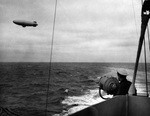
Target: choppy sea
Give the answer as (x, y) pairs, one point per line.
(72, 87)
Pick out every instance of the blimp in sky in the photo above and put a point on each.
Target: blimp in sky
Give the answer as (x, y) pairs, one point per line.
(25, 23)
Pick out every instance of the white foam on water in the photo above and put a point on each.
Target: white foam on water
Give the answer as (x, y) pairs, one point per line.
(80, 102)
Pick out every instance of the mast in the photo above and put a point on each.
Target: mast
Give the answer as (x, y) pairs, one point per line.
(145, 15)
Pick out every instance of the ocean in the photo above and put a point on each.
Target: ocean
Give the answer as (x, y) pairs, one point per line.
(72, 87)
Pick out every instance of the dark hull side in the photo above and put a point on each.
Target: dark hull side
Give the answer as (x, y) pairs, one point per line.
(119, 106)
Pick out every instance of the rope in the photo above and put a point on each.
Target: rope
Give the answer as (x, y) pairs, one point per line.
(51, 53)
(100, 94)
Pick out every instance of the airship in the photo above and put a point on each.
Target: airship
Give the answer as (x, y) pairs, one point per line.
(25, 23)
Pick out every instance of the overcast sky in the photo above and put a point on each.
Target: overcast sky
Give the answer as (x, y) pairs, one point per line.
(85, 30)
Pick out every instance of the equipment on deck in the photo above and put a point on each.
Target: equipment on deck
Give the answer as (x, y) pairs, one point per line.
(109, 84)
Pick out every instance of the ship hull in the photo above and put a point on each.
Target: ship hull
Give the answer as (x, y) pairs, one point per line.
(119, 106)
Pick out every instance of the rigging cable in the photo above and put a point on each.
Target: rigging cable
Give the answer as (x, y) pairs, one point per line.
(145, 68)
(145, 57)
(146, 65)
(145, 60)
(51, 53)
(134, 18)
(148, 37)
(149, 50)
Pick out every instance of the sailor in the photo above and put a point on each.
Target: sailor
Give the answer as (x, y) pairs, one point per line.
(124, 83)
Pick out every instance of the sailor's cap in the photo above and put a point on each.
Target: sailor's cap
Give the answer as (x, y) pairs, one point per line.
(122, 72)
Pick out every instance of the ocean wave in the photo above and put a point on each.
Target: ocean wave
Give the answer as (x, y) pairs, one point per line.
(72, 85)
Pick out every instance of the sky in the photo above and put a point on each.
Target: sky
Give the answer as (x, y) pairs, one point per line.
(85, 30)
